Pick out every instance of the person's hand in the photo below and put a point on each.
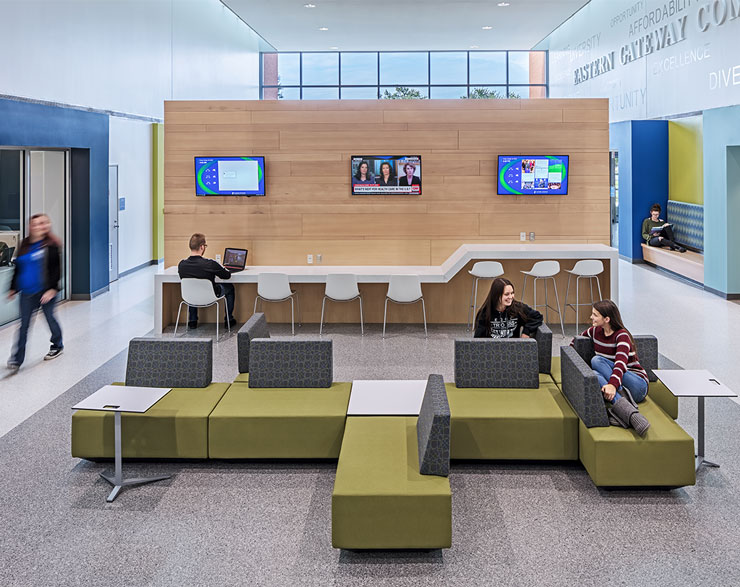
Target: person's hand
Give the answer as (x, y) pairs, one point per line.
(525, 335)
(11, 294)
(609, 392)
(666, 224)
(48, 295)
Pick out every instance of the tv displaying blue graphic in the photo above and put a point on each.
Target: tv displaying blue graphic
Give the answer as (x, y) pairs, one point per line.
(229, 176)
(533, 175)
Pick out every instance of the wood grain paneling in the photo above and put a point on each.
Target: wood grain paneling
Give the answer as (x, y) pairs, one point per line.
(309, 207)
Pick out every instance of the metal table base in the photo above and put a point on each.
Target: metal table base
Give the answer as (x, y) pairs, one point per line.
(699, 457)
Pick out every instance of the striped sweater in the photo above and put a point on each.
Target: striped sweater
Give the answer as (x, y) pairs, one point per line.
(617, 348)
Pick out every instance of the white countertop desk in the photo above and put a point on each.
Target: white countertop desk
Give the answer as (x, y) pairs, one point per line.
(428, 273)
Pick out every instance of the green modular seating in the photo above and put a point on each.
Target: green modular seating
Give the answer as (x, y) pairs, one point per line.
(615, 456)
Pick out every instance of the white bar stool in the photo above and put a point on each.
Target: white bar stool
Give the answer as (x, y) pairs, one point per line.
(481, 270)
(275, 287)
(199, 293)
(341, 287)
(586, 269)
(404, 289)
(545, 270)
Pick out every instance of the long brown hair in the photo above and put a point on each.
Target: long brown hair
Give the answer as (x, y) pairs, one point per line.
(608, 309)
(494, 298)
(49, 238)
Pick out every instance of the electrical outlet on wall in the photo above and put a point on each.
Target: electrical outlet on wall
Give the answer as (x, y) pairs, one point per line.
(319, 258)
(218, 258)
(309, 259)
(531, 236)
(522, 236)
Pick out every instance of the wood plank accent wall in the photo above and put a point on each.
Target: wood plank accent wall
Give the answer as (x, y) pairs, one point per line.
(309, 207)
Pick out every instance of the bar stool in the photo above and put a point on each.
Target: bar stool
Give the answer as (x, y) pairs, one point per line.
(545, 270)
(481, 270)
(586, 269)
(198, 293)
(341, 287)
(275, 287)
(404, 289)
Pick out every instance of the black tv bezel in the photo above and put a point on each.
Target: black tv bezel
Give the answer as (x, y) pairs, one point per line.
(195, 166)
(498, 163)
(352, 187)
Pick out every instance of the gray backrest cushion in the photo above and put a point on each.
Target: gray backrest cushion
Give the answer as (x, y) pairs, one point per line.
(584, 347)
(646, 346)
(256, 327)
(170, 362)
(496, 362)
(287, 362)
(543, 336)
(433, 429)
(582, 389)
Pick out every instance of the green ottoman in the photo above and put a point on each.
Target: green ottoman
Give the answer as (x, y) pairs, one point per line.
(555, 371)
(529, 424)
(615, 456)
(176, 427)
(380, 499)
(279, 423)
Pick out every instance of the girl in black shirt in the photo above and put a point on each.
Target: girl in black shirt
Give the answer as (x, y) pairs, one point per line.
(501, 316)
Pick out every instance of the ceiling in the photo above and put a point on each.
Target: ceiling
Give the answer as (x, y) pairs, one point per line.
(412, 25)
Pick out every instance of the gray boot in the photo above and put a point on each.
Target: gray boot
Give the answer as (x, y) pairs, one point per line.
(623, 413)
(639, 423)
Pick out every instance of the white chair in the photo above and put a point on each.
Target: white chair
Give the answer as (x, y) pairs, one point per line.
(481, 270)
(545, 270)
(198, 293)
(586, 269)
(404, 289)
(341, 287)
(275, 287)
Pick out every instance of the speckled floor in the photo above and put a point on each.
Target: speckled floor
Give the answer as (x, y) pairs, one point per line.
(217, 523)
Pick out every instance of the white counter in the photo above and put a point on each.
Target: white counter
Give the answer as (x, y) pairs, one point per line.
(428, 273)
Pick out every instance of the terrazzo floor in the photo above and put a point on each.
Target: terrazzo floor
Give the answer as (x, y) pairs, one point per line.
(247, 523)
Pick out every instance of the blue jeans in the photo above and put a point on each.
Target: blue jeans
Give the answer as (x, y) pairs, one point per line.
(603, 368)
(29, 304)
(225, 289)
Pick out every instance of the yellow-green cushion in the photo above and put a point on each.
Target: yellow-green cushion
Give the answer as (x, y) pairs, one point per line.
(176, 427)
(660, 394)
(555, 371)
(380, 499)
(279, 423)
(615, 456)
(536, 424)
(242, 378)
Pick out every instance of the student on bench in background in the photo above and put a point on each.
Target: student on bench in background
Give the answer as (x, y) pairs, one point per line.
(657, 232)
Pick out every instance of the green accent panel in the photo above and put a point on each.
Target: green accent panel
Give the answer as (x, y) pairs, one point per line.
(534, 424)
(242, 378)
(615, 456)
(176, 427)
(279, 423)
(555, 371)
(686, 160)
(157, 191)
(666, 401)
(380, 499)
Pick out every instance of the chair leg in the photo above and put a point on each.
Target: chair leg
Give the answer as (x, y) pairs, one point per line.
(226, 316)
(598, 285)
(254, 310)
(591, 287)
(298, 309)
(547, 303)
(470, 305)
(557, 301)
(362, 323)
(424, 310)
(292, 319)
(472, 310)
(385, 313)
(578, 285)
(217, 321)
(178, 318)
(534, 281)
(565, 301)
(524, 288)
(321, 324)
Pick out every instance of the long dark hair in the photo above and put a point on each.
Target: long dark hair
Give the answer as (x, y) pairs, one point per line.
(390, 170)
(494, 298)
(49, 238)
(358, 175)
(608, 309)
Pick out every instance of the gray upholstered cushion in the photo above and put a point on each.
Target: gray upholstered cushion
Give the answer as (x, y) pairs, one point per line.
(256, 327)
(543, 336)
(582, 389)
(584, 347)
(170, 362)
(646, 346)
(287, 362)
(433, 429)
(496, 362)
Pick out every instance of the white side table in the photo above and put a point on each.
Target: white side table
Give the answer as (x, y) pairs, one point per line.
(117, 399)
(386, 397)
(698, 383)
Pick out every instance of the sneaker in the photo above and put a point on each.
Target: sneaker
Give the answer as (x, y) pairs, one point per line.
(53, 354)
(192, 325)
(681, 249)
(13, 366)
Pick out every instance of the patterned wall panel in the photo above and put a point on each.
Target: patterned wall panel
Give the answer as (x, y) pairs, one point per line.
(688, 223)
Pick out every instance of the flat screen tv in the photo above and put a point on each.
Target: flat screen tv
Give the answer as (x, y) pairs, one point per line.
(386, 175)
(533, 175)
(229, 176)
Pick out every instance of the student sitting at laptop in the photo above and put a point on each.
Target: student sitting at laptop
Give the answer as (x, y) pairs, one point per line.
(201, 268)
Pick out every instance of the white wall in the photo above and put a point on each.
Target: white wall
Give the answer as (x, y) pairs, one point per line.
(700, 70)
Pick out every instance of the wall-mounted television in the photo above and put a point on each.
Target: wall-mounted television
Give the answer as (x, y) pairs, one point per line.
(533, 175)
(386, 175)
(229, 176)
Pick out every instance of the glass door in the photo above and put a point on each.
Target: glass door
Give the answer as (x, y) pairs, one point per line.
(614, 197)
(11, 226)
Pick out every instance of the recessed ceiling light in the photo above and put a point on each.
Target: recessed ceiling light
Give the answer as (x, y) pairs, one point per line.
(333, 48)
(503, 4)
(309, 6)
(486, 28)
(473, 46)
(323, 28)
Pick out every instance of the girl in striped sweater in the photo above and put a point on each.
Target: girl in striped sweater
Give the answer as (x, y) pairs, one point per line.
(616, 365)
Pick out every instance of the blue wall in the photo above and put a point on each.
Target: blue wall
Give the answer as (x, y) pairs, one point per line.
(721, 200)
(643, 177)
(33, 125)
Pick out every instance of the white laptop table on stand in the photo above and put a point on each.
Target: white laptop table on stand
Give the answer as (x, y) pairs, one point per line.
(698, 383)
(117, 399)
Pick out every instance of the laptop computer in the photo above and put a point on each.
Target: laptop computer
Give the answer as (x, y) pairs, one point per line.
(235, 259)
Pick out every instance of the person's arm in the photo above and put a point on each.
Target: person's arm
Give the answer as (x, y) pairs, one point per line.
(624, 346)
(532, 322)
(588, 332)
(481, 328)
(13, 281)
(219, 270)
(53, 273)
(646, 230)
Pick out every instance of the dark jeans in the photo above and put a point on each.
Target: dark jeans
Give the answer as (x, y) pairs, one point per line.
(224, 289)
(29, 304)
(668, 239)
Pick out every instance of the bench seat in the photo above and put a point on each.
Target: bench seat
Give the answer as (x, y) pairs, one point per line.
(380, 500)
(688, 264)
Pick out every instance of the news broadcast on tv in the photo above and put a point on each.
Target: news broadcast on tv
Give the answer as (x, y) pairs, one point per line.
(386, 175)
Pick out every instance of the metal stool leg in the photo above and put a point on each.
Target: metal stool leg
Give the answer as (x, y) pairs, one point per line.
(226, 316)
(292, 317)
(565, 301)
(362, 323)
(598, 285)
(578, 307)
(547, 304)
(471, 304)
(217, 321)
(385, 313)
(557, 301)
(254, 310)
(321, 324)
(424, 310)
(178, 317)
(524, 288)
